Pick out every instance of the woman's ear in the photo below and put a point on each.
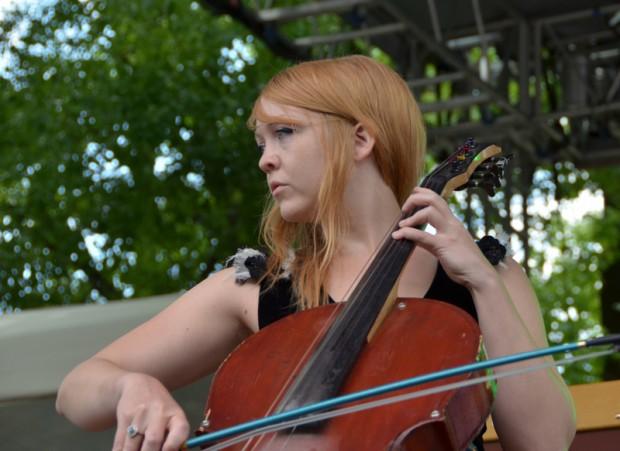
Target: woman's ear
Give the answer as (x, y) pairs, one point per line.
(364, 142)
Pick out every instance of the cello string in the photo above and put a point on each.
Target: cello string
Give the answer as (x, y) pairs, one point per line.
(361, 283)
(363, 280)
(403, 397)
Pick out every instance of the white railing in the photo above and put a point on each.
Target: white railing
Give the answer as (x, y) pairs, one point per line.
(39, 347)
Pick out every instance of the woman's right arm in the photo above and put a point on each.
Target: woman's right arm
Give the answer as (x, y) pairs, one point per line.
(128, 382)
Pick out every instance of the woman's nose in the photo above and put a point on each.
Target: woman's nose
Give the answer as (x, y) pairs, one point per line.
(269, 160)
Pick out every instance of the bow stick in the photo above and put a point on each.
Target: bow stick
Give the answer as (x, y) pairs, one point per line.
(394, 386)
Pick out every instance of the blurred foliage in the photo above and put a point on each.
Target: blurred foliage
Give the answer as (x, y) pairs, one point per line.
(126, 169)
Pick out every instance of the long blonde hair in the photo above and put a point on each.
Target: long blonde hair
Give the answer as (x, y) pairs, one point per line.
(345, 91)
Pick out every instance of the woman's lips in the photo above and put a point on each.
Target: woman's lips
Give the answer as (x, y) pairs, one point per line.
(277, 188)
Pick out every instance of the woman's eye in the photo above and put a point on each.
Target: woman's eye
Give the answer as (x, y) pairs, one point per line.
(260, 147)
(284, 131)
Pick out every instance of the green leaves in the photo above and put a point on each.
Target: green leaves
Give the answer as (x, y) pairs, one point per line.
(126, 166)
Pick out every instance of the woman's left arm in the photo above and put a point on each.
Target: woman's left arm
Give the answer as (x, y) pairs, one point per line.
(532, 411)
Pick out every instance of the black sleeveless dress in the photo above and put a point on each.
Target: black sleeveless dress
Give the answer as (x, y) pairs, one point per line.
(278, 301)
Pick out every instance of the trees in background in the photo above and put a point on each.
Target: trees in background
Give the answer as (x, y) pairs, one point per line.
(126, 166)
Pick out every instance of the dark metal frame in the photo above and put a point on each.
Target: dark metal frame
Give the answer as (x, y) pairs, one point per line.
(579, 46)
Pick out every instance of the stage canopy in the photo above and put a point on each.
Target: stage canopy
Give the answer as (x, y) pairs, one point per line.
(540, 77)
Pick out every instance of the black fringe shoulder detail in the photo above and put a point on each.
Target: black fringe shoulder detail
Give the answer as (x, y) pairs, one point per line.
(492, 249)
(250, 264)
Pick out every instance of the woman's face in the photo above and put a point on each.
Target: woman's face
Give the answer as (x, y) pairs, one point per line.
(292, 158)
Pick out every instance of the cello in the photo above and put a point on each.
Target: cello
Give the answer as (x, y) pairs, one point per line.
(370, 340)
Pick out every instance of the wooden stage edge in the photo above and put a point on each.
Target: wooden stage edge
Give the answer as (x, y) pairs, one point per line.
(598, 418)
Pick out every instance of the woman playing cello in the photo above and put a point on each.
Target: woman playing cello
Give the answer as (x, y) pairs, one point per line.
(341, 144)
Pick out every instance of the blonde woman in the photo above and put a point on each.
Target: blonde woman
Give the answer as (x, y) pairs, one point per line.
(341, 144)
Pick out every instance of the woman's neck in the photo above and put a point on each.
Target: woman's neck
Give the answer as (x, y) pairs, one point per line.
(372, 210)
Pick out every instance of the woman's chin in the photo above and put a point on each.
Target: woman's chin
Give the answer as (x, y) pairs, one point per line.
(294, 218)
(295, 215)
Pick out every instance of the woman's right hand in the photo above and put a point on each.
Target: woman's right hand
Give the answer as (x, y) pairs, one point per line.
(147, 405)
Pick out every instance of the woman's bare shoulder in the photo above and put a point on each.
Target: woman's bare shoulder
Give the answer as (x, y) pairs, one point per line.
(512, 271)
(224, 292)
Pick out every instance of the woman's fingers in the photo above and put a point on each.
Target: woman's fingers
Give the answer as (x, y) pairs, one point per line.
(162, 433)
(119, 437)
(154, 434)
(421, 197)
(133, 427)
(166, 433)
(431, 209)
(133, 442)
(148, 418)
(443, 223)
(124, 441)
(178, 432)
(424, 216)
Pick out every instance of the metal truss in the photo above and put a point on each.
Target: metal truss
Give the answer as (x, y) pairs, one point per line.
(541, 78)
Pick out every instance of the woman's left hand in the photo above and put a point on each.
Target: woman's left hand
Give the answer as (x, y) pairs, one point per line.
(452, 244)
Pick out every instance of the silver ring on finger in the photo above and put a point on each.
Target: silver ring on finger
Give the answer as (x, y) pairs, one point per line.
(132, 431)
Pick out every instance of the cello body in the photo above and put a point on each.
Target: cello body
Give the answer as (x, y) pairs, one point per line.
(418, 336)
